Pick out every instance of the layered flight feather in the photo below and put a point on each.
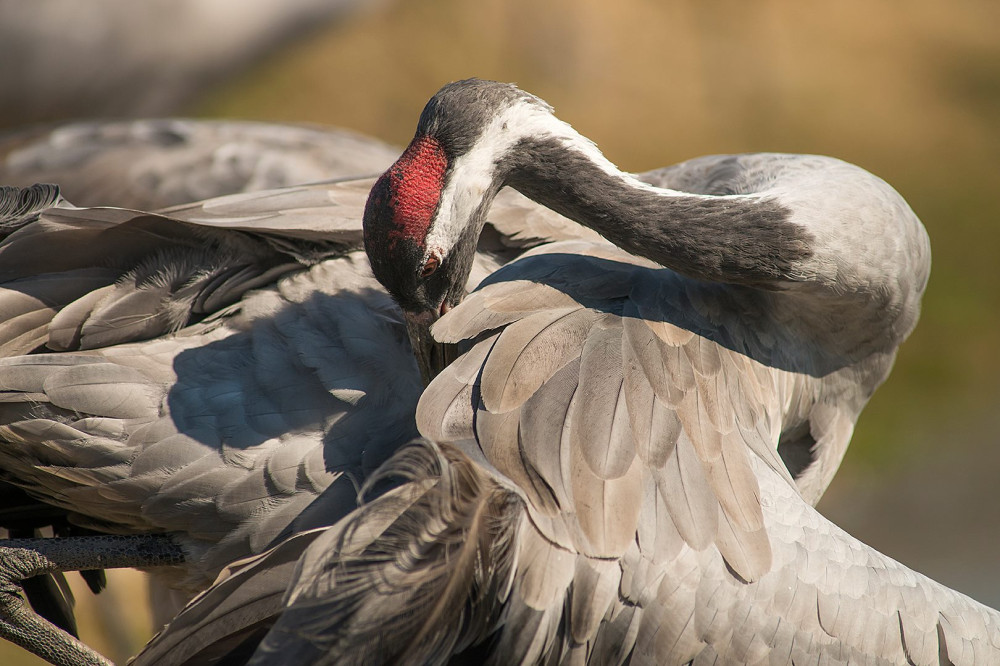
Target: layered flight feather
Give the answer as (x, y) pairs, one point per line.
(589, 409)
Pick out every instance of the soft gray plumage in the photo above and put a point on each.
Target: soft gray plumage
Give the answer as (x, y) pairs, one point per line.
(125, 288)
(608, 483)
(144, 164)
(220, 363)
(249, 410)
(148, 164)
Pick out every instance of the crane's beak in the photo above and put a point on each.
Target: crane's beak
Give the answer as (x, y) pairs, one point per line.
(432, 356)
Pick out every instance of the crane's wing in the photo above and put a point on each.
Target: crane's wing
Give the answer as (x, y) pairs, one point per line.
(82, 278)
(152, 164)
(592, 397)
(228, 620)
(227, 430)
(145, 164)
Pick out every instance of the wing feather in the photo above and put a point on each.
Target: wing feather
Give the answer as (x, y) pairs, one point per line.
(607, 509)
(595, 588)
(528, 352)
(445, 414)
(544, 570)
(599, 426)
(693, 506)
(666, 373)
(28, 304)
(747, 552)
(544, 437)
(647, 391)
(736, 487)
(104, 388)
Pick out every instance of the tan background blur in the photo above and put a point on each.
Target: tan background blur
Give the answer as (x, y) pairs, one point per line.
(909, 90)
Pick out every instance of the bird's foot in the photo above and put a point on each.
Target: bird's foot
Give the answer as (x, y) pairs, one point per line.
(24, 558)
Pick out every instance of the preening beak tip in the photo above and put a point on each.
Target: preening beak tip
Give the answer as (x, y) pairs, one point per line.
(423, 319)
(431, 356)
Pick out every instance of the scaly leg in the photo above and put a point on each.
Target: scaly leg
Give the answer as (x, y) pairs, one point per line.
(24, 558)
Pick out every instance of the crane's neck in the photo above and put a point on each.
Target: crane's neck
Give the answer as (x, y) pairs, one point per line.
(744, 239)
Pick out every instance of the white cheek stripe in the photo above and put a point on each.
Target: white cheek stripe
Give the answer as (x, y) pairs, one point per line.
(472, 174)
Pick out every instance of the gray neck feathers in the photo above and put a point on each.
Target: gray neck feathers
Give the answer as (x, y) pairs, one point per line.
(743, 240)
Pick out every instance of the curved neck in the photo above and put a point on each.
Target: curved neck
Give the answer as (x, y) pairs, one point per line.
(740, 239)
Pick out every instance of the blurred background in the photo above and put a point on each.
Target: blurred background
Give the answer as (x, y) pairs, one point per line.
(909, 91)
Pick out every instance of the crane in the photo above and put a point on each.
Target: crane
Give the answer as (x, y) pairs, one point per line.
(621, 467)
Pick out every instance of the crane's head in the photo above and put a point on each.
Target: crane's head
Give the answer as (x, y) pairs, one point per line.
(425, 214)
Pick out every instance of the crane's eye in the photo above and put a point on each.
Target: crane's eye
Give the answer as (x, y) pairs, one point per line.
(431, 265)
